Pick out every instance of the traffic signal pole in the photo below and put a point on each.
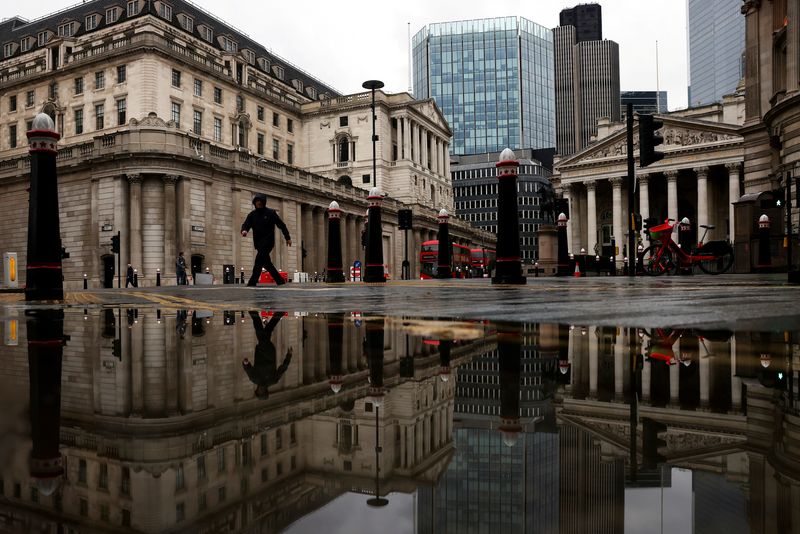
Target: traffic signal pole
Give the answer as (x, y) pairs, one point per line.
(631, 195)
(119, 263)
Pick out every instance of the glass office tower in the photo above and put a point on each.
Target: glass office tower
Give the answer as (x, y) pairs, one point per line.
(715, 34)
(492, 79)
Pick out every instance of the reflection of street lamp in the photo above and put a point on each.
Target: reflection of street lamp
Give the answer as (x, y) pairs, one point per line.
(377, 501)
(372, 85)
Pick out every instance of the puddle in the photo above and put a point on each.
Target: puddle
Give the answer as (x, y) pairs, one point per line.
(267, 421)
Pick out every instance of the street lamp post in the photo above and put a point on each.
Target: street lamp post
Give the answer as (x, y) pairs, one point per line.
(372, 85)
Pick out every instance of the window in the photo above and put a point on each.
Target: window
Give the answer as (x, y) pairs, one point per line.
(250, 56)
(217, 95)
(180, 482)
(67, 29)
(42, 38)
(12, 103)
(198, 87)
(125, 483)
(84, 505)
(229, 45)
(263, 444)
(122, 74)
(260, 113)
(133, 8)
(164, 11)
(289, 154)
(221, 459)
(176, 114)
(82, 471)
(276, 120)
(112, 15)
(79, 86)
(187, 23)
(206, 33)
(26, 44)
(217, 129)
(34, 494)
(102, 482)
(264, 474)
(201, 502)
(12, 136)
(8, 49)
(312, 92)
(91, 22)
(197, 123)
(176, 78)
(278, 72)
(289, 125)
(99, 113)
(292, 463)
(276, 150)
(292, 434)
(343, 121)
(121, 112)
(278, 439)
(180, 513)
(239, 103)
(260, 144)
(29, 98)
(279, 469)
(365, 179)
(221, 494)
(201, 467)
(52, 91)
(99, 80)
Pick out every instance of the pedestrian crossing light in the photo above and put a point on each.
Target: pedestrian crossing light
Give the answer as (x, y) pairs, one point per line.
(649, 138)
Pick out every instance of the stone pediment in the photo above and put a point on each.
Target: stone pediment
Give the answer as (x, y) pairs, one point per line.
(431, 111)
(677, 132)
(152, 119)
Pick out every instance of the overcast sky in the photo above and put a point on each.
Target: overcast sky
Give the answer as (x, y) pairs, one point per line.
(344, 43)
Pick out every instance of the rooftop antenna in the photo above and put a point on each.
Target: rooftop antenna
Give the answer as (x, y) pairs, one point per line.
(658, 93)
(410, 86)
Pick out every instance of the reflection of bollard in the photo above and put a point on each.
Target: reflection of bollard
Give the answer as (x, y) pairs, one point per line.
(509, 352)
(563, 253)
(334, 272)
(625, 266)
(685, 241)
(136, 278)
(508, 266)
(597, 264)
(444, 256)
(640, 259)
(764, 255)
(44, 262)
(85, 281)
(241, 279)
(536, 270)
(374, 268)
(158, 277)
(612, 268)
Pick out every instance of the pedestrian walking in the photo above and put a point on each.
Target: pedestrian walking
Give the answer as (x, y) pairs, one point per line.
(180, 269)
(263, 371)
(129, 277)
(263, 220)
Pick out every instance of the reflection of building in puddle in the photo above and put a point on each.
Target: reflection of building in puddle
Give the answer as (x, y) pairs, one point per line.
(704, 401)
(171, 432)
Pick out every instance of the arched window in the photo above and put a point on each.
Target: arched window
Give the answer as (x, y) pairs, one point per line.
(344, 149)
(345, 180)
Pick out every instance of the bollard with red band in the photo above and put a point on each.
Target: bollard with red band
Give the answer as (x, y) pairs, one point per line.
(373, 272)
(764, 254)
(508, 265)
(563, 253)
(334, 273)
(444, 255)
(44, 269)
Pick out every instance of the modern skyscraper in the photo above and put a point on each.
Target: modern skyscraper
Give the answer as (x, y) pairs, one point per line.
(492, 79)
(586, 86)
(715, 42)
(644, 101)
(587, 20)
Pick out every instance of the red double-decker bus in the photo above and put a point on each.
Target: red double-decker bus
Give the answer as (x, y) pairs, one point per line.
(429, 260)
(483, 260)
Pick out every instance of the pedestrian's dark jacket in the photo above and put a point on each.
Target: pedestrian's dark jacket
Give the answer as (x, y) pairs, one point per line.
(263, 370)
(180, 264)
(263, 222)
(129, 273)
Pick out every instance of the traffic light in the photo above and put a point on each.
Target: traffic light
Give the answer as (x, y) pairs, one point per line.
(652, 442)
(64, 253)
(637, 222)
(649, 139)
(404, 219)
(562, 206)
(115, 244)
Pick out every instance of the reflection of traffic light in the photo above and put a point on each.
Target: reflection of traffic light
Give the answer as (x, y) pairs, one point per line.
(117, 349)
(649, 138)
(652, 442)
(230, 318)
(115, 244)
(64, 253)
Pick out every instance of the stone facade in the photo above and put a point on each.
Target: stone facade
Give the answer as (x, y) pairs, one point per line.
(166, 136)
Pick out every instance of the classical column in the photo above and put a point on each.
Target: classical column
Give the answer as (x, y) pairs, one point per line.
(674, 382)
(644, 195)
(424, 141)
(414, 142)
(672, 194)
(736, 382)
(568, 192)
(183, 218)
(137, 369)
(447, 159)
(616, 194)
(307, 233)
(619, 367)
(320, 231)
(135, 222)
(593, 362)
(702, 198)
(591, 217)
(705, 381)
(406, 138)
(434, 154)
(170, 236)
(646, 379)
(734, 176)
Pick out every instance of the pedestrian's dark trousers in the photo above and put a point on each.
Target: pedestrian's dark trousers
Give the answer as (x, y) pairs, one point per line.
(263, 260)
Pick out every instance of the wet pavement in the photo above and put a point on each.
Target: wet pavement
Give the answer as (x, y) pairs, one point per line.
(559, 407)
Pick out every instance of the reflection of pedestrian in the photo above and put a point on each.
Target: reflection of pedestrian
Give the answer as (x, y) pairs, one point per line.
(180, 269)
(129, 276)
(262, 371)
(263, 221)
(181, 323)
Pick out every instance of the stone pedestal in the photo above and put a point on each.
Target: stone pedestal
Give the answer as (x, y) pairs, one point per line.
(548, 250)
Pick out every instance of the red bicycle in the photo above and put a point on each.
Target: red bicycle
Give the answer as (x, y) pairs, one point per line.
(664, 255)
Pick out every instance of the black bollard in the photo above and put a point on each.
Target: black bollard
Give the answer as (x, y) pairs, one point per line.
(158, 277)
(563, 252)
(334, 273)
(508, 268)
(136, 278)
(509, 354)
(241, 278)
(686, 241)
(335, 350)
(444, 257)
(85, 281)
(44, 270)
(373, 273)
(45, 330)
(764, 254)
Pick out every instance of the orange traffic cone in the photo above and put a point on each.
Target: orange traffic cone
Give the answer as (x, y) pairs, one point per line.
(577, 270)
